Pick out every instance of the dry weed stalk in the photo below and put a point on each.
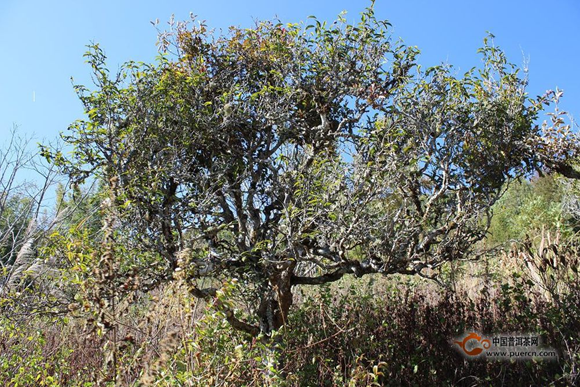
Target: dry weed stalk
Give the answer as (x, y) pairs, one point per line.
(552, 266)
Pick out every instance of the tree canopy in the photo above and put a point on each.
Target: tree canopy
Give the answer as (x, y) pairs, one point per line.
(294, 154)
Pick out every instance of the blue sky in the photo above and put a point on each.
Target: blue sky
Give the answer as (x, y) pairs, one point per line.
(42, 42)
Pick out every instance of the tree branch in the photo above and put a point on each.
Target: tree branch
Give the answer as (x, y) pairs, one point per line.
(209, 293)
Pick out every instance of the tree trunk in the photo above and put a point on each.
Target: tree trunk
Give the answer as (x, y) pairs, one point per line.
(276, 302)
(273, 315)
